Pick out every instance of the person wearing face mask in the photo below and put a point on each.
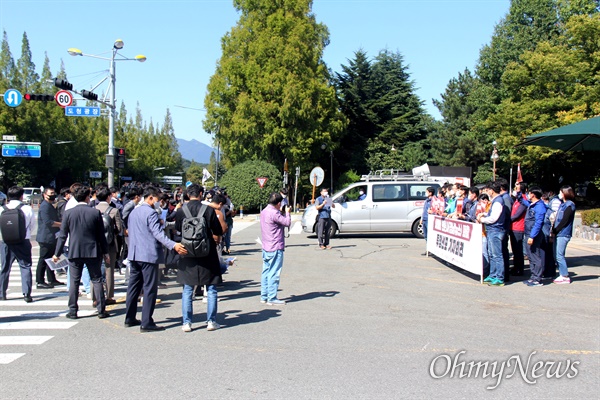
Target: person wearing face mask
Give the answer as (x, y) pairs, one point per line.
(323, 204)
(361, 195)
(48, 227)
(563, 230)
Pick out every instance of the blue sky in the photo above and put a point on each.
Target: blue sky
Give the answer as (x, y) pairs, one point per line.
(182, 41)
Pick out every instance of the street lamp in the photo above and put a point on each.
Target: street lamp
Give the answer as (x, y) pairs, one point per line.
(323, 147)
(118, 45)
(494, 158)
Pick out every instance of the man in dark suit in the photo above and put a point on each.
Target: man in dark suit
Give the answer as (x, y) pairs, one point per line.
(48, 227)
(146, 237)
(87, 245)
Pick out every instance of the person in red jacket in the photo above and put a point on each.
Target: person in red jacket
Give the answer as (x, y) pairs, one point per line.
(517, 218)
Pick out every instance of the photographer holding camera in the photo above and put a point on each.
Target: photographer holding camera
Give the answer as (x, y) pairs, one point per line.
(324, 204)
(272, 224)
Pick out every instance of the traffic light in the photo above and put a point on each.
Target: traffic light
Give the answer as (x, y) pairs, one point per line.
(39, 97)
(121, 157)
(63, 84)
(89, 95)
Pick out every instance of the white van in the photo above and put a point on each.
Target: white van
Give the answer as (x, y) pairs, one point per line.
(393, 203)
(31, 194)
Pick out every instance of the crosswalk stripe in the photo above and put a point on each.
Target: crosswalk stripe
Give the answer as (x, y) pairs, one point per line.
(43, 314)
(31, 314)
(36, 325)
(43, 303)
(7, 358)
(23, 340)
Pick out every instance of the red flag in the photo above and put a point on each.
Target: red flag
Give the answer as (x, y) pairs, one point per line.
(519, 176)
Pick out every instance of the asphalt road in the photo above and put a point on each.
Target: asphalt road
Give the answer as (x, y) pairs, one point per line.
(365, 320)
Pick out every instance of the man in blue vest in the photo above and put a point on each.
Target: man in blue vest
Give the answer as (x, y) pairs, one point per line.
(495, 231)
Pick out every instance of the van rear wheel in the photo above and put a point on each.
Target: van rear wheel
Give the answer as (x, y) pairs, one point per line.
(417, 229)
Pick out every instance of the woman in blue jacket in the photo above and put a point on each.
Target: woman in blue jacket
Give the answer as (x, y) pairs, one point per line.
(563, 230)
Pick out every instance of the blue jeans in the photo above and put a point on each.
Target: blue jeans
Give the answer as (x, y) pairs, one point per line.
(560, 249)
(269, 283)
(424, 224)
(227, 236)
(495, 238)
(486, 257)
(187, 309)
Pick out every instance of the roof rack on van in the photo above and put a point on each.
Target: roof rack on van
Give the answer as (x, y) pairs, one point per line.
(392, 175)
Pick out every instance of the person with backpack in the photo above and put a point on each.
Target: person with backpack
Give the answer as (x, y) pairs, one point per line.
(15, 229)
(113, 226)
(198, 223)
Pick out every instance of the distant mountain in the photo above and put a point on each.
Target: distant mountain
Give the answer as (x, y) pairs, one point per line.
(195, 150)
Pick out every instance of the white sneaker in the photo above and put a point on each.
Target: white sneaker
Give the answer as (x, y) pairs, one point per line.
(187, 327)
(212, 326)
(562, 280)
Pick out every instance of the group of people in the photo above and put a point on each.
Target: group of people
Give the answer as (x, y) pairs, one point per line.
(85, 225)
(537, 224)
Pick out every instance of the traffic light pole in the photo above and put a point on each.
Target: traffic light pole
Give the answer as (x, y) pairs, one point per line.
(111, 120)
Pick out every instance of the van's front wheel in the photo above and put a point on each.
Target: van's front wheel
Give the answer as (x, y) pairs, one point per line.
(417, 229)
(333, 229)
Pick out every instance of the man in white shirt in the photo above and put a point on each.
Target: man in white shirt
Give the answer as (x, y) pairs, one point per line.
(21, 250)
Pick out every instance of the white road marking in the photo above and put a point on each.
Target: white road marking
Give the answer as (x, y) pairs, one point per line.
(23, 340)
(36, 325)
(43, 303)
(7, 358)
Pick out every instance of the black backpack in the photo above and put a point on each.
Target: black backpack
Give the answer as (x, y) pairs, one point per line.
(194, 233)
(109, 225)
(12, 225)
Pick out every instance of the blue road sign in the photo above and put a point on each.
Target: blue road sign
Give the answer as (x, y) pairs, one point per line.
(21, 150)
(188, 183)
(75, 111)
(12, 97)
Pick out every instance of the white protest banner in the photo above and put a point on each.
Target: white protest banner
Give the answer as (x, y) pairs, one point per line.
(458, 242)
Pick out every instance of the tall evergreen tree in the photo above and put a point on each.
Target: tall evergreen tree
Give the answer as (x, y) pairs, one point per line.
(7, 65)
(355, 91)
(27, 78)
(378, 98)
(270, 96)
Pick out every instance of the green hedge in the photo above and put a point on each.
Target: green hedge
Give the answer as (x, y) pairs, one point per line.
(588, 217)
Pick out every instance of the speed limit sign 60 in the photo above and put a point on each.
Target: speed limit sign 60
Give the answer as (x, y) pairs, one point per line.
(63, 98)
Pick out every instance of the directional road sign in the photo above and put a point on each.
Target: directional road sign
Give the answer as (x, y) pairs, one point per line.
(20, 150)
(73, 111)
(63, 98)
(12, 97)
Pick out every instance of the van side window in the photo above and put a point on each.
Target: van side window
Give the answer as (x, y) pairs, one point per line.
(393, 192)
(417, 191)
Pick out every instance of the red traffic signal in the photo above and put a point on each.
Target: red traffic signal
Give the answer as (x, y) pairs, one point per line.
(39, 97)
(121, 157)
